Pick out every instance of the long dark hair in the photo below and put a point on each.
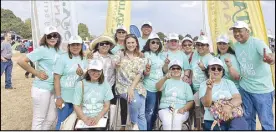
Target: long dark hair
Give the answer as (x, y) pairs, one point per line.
(43, 42)
(230, 50)
(88, 78)
(97, 48)
(146, 48)
(70, 54)
(136, 51)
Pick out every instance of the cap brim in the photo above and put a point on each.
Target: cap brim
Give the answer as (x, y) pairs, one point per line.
(175, 65)
(146, 24)
(232, 28)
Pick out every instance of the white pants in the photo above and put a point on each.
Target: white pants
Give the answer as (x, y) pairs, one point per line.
(166, 117)
(44, 109)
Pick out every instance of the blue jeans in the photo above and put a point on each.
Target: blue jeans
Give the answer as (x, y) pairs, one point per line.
(64, 113)
(235, 124)
(7, 68)
(137, 110)
(151, 109)
(207, 126)
(260, 104)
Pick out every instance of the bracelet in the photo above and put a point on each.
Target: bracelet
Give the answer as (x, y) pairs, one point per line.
(58, 97)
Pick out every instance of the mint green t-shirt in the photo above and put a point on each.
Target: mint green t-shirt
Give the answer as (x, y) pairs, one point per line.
(95, 95)
(46, 59)
(235, 65)
(142, 43)
(178, 55)
(256, 74)
(198, 74)
(175, 92)
(117, 48)
(225, 89)
(67, 68)
(156, 72)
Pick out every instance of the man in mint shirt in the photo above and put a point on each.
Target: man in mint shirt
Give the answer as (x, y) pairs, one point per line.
(256, 86)
(146, 31)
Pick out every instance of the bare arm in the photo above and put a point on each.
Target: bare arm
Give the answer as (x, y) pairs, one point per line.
(165, 68)
(233, 72)
(104, 110)
(236, 100)
(57, 84)
(80, 113)
(188, 105)
(23, 62)
(160, 83)
(207, 98)
(135, 81)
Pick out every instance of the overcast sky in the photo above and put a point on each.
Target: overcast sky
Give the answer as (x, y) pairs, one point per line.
(167, 16)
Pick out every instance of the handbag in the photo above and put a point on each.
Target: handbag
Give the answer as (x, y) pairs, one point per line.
(216, 111)
(70, 122)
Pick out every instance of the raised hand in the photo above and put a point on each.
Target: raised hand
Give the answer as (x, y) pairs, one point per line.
(210, 82)
(167, 60)
(79, 70)
(201, 65)
(228, 61)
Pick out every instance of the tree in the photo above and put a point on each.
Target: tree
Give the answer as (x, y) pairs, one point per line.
(83, 31)
(10, 22)
(161, 36)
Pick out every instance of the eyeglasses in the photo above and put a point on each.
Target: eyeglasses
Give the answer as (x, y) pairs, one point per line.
(173, 41)
(49, 36)
(121, 32)
(104, 43)
(218, 68)
(153, 42)
(176, 68)
(189, 45)
(221, 43)
(201, 45)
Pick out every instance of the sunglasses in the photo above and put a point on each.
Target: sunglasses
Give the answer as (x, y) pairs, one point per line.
(201, 45)
(222, 43)
(153, 42)
(94, 70)
(104, 43)
(173, 41)
(121, 32)
(189, 45)
(176, 68)
(216, 68)
(50, 36)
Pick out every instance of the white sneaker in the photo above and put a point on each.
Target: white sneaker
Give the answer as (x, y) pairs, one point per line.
(135, 127)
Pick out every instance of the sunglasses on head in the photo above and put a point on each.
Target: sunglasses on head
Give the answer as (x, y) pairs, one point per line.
(52, 35)
(155, 42)
(104, 43)
(216, 68)
(131, 35)
(175, 68)
(185, 45)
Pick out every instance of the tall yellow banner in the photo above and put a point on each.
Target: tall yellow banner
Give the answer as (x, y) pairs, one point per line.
(223, 14)
(118, 13)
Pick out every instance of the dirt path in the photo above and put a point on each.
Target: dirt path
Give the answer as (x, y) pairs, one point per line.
(16, 104)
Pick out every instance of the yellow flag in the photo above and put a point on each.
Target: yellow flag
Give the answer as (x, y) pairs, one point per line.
(118, 13)
(223, 14)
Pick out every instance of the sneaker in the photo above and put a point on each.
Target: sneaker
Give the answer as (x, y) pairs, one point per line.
(135, 127)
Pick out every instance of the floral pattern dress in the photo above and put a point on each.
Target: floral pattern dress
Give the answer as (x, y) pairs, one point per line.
(128, 70)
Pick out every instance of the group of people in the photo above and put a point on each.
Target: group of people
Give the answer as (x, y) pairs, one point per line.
(150, 82)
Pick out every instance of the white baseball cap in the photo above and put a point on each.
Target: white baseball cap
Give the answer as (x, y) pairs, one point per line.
(153, 36)
(173, 36)
(50, 29)
(147, 23)
(223, 38)
(215, 61)
(240, 24)
(121, 27)
(75, 39)
(203, 40)
(95, 64)
(174, 62)
(187, 38)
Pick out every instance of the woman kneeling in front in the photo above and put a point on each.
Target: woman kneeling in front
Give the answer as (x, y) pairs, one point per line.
(177, 98)
(92, 102)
